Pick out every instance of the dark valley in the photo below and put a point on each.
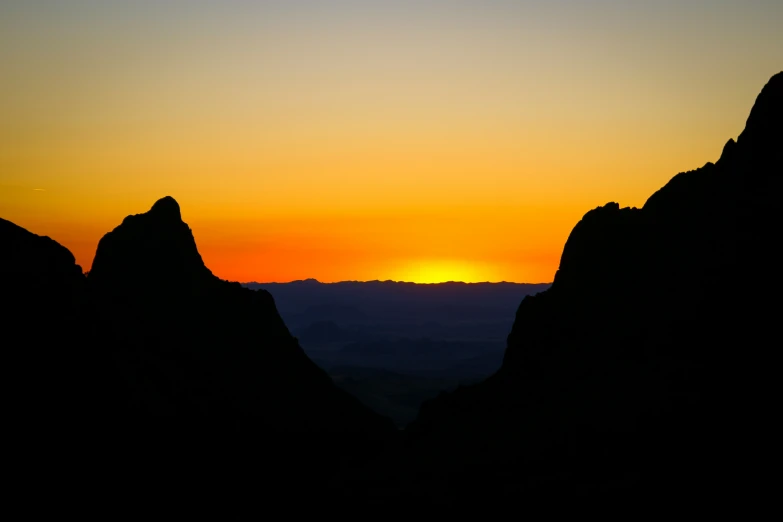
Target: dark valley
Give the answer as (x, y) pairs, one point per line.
(394, 345)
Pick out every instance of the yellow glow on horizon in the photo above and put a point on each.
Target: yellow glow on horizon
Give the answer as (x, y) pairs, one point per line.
(411, 140)
(443, 271)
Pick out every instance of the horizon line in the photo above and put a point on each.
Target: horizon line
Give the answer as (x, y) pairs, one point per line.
(313, 280)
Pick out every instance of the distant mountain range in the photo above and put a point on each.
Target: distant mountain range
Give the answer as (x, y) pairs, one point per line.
(377, 337)
(302, 303)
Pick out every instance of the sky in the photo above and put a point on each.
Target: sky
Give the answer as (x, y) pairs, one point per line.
(407, 140)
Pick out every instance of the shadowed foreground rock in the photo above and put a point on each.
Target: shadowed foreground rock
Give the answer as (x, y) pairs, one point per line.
(190, 345)
(152, 366)
(632, 374)
(43, 295)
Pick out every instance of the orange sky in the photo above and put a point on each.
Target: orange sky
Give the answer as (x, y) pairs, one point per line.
(421, 141)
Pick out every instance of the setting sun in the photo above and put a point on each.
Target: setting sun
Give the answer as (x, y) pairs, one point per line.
(423, 141)
(443, 253)
(443, 271)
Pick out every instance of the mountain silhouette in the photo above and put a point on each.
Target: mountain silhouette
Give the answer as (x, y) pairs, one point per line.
(638, 374)
(152, 252)
(630, 374)
(191, 343)
(154, 363)
(44, 294)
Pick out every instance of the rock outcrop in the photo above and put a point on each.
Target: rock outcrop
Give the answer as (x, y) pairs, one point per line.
(631, 374)
(188, 343)
(43, 291)
(153, 363)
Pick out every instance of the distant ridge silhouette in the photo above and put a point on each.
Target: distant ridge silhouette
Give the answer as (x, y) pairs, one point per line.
(311, 280)
(632, 376)
(347, 302)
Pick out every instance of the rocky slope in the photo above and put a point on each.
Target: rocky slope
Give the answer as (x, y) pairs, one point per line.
(153, 365)
(634, 370)
(43, 291)
(190, 345)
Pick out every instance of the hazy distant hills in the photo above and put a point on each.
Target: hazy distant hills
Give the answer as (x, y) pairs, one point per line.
(304, 301)
(360, 314)
(393, 344)
(361, 318)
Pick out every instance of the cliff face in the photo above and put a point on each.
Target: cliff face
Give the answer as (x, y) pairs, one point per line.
(153, 363)
(187, 342)
(43, 290)
(632, 367)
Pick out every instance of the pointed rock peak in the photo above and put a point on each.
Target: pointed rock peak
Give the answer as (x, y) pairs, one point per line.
(167, 208)
(766, 118)
(729, 151)
(154, 250)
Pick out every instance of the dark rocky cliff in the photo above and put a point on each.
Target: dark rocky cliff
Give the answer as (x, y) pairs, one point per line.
(153, 367)
(43, 291)
(187, 342)
(631, 374)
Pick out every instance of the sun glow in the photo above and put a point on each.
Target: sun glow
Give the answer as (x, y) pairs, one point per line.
(442, 271)
(366, 140)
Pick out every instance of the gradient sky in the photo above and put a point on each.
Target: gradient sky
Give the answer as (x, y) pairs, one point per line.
(405, 140)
